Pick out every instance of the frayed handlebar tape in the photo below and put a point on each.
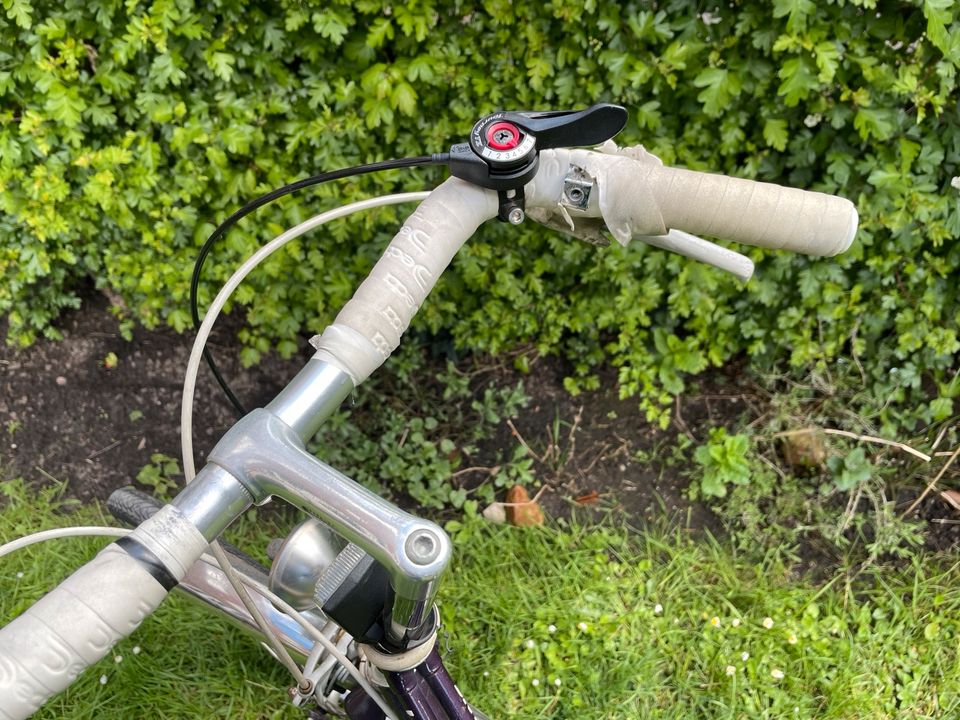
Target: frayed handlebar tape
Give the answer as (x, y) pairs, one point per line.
(636, 197)
(639, 196)
(79, 621)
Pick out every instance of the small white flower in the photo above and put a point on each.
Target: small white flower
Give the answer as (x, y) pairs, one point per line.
(530, 644)
(731, 670)
(535, 682)
(735, 622)
(792, 639)
(776, 674)
(103, 679)
(19, 575)
(657, 609)
(118, 658)
(136, 649)
(486, 673)
(768, 623)
(708, 18)
(715, 621)
(811, 121)
(551, 628)
(955, 183)
(557, 682)
(582, 626)
(744, 656)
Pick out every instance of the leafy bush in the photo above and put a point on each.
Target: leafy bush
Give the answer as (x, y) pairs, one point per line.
(128, 128)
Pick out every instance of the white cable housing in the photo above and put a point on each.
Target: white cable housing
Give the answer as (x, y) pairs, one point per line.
(216, 307)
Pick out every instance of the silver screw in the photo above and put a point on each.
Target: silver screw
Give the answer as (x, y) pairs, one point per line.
(576, 194)
(422, 547)
(516, 216)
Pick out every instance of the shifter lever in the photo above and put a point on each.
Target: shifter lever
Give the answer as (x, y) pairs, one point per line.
(503, 152)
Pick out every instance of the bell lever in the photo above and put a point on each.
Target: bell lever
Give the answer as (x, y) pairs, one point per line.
(503, 152)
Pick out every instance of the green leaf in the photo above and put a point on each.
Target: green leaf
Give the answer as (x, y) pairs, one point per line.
(720, 87)
(65, 105)
(876, 123)
(404, 98)
(796, 12)
(20, 11)
(222, 64)
(775, 134)
(941, 408)
(329, 24)
(798, 81)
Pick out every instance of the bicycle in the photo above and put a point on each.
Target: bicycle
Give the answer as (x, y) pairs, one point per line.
(355, 584)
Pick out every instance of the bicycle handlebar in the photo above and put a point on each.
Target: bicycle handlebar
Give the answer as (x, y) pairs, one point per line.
(636, 196)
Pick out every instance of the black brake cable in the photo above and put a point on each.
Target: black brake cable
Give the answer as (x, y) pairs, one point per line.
(221, 230)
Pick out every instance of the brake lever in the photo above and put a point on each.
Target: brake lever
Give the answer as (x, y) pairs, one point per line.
(696, 248)
(503, 152)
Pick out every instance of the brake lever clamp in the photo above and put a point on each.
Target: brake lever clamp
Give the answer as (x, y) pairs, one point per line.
(503, 152)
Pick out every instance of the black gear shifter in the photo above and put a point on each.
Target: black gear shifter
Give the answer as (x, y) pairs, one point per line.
(504, 148)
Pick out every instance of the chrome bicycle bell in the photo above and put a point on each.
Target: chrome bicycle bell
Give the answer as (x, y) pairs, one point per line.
(308, 550)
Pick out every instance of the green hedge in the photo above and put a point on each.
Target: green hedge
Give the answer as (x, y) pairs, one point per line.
(127, 128)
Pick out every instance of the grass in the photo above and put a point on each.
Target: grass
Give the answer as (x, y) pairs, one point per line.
(568, 622)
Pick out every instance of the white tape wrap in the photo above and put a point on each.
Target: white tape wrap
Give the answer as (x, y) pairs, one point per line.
(79, 621)
(369, 327)
(639, 196)
(636, 197)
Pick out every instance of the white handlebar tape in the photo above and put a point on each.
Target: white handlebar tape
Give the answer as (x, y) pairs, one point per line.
(79, 621)
(639, 196)
(369, 327)
(754, 213)
(636, 197)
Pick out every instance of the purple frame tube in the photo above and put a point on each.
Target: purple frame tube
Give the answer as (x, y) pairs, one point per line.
(427, 691)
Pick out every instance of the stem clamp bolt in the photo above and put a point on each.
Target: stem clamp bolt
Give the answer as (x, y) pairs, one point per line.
(422, 547)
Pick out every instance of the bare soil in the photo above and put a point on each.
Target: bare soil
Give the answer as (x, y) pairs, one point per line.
(69, 418)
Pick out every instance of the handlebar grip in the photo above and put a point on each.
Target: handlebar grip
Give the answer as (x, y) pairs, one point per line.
(78, 622)
(753, 212)
(369, 326)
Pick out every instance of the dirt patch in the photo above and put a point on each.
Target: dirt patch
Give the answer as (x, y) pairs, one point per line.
(70, 418)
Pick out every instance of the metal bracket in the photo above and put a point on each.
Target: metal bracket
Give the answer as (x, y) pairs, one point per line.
(577, 186)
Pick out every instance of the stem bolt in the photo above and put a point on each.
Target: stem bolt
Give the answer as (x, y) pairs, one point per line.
(422, 547)
(516, 216)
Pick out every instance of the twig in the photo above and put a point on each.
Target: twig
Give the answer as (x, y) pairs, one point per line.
(519, 437)
(532, 500)
(936, 443)
(680, 421)
(853, 350)
(101, 451)
(932, 484)
(478, 468)
(855, 436)
(572, 435)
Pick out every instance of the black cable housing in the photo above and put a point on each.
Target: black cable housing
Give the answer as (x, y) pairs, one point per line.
(221, 230)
